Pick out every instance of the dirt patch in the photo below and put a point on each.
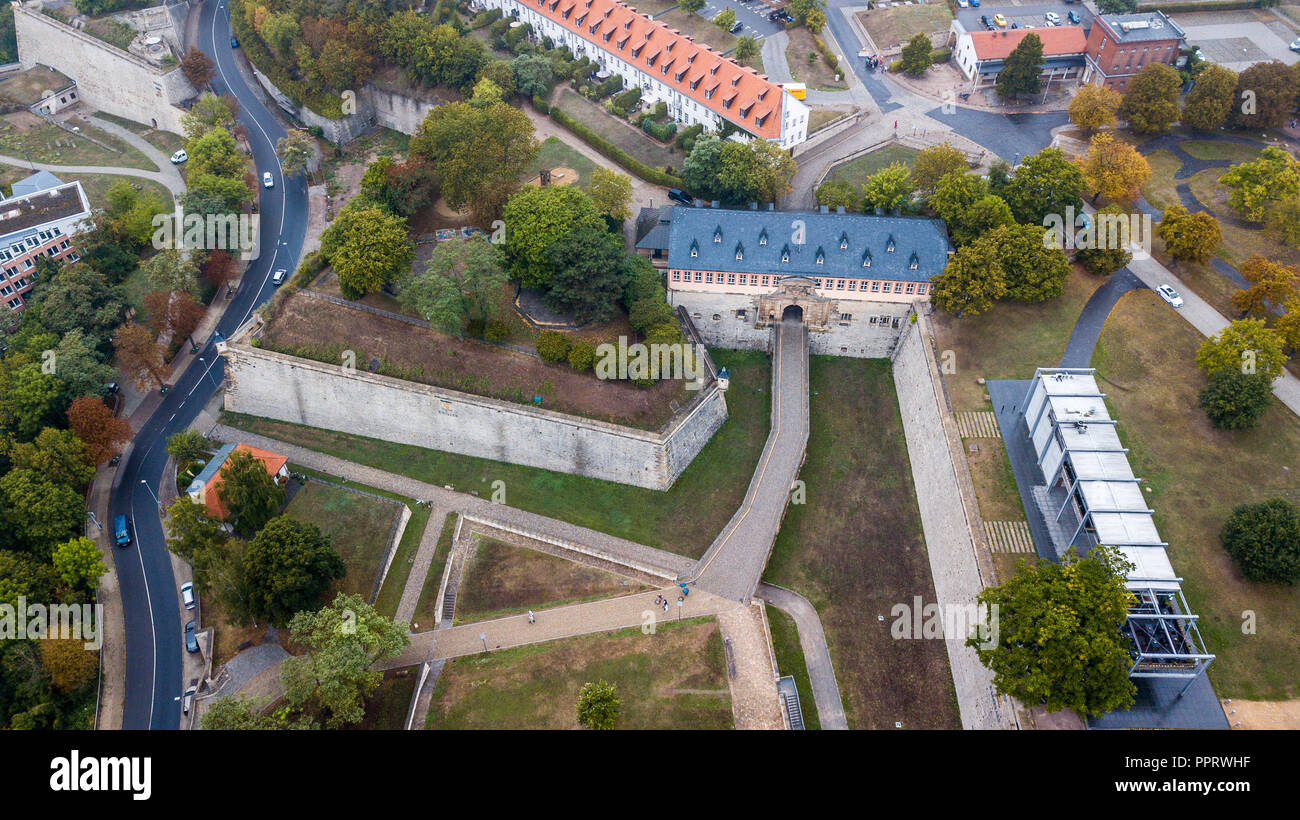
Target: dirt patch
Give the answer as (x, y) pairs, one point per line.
(1254, 714)
(424, 355)
(559, 176)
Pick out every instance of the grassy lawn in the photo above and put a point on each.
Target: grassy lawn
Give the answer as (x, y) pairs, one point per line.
(856, 172)
(22, 135)
(387, 706)
(164, 141)
(821, 117)
(1198, 474)
(701, 29)
(651, 7)
(790, 661)
(1160, 189)
(357, 525)
(425, 607)
(816, 74)
(1213, 149)
(1009, 341)
(856, 549)
(673, 679)
(620, 132)
(97, 185)
(898, 24)
(555, 154)
(684, 519)
(504, 579)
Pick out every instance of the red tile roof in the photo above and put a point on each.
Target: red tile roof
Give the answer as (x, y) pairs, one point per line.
(274, 462)
(673, 59)
(1057, 41)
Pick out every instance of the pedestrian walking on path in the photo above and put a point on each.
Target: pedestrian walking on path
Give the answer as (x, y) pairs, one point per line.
(532, 619)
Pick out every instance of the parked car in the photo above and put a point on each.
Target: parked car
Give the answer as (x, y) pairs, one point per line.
(975, 3)
(277, 278)
(267, 181)
(234, 43)
(680, 197)
(1170, 295)
(961, 4)
(1015, 25)
(191, 640)
(187, 701)
(1073, 17)
(1295, 45)
(179, 157)
(737, 27)
(1052, 17)
(122, 531)
(985, 21)
(111, 388)
(187, 594)
(999, 21)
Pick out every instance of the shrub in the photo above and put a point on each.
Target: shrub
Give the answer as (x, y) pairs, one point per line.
(1234, 400)
(686, 139)
(541, 105)
(582, 355)
(604, 146)
(496, 331)
(1264, 540)
(940, 55)
(475, 328)
(648, 312)
(552, 346)
(662, 131)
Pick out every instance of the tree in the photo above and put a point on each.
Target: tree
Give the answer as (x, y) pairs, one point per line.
(295, 151)
(40, 512)
(30, 400)
(1210, 100)
(590, 275)
(837, 193)
(1265, 95)
(1117, 6)
(58, 455)
(746, 47)
(173, 315)
(209, 111)
(198, 538)
(289, 565)
(533, 73)
(139, 356)
(250, 494)
(218, 268)
(1234, 400)
(197, 68)
(70, 665)
(77, 364)
(1270, 283)
(214, 152)
(934, 163)
(1264, 540)
(984, 216)
(692, 6)
(1283, 220)
(239, 714)
(463, 280)
(480, 152)
(890, 188)
(1287, 325)
(1113, 168)
(916, 55)
(101, 431)
(535, 219)
(1256, 187)
(725, 19)
(1045, 183)
(611, 192)
(735, 172)
(970, 282)
(1106, 257)
(188, 446)
(368, 248)
(598, 705)
(1094, 106)
(955, 194)
(79, 564)
(1245, 346)
(344, 641)
(1059, 639)
(1189, 237)
(1021, 69)
(79, 297)
(1151, 104)
(172, 270)
(1032, 271)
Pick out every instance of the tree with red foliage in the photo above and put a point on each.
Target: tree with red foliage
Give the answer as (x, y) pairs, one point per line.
(97, 427)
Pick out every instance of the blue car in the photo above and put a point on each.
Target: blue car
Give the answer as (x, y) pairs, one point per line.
(1073, 17)
(975, 3)
(234, 42)
(191, 642)
(122, 531)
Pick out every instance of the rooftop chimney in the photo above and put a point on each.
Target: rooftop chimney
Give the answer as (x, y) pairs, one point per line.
(824, 209)
(839, 209)
(753, 206)
(715, 203)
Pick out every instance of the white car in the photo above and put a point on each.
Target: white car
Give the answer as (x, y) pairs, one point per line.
(1170, 295)
(187, 594)
(1295, 45)
(267, 181)
(277, 278)
(1053, 18)
(179, 157)
(963, 4)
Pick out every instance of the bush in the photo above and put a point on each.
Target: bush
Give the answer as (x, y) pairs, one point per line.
(552, 346)
(626, 101)
(582, 355)
(686, 139)
(541, 105)
(940, 55)
(496, 331)
(604, 146)
(1234, 400)
(1264, 540)
(648, 312)
(475, 328)
(486, 18)
(662, 131)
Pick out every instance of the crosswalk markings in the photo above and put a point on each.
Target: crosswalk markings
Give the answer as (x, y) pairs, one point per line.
(978, 424)
(1009, 536)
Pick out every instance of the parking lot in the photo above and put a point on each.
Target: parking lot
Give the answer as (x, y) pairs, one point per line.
(753, 15)
(1028, 16)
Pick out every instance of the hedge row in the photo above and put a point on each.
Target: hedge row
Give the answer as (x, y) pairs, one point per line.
(940, 55)
(317, 100)
(830, 59)
(623, 158)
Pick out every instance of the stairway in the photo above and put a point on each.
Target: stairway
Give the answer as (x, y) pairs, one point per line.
(790, 698)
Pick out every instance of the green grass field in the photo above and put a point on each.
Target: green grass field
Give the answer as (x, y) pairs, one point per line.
(555, 154)
(620, 132)
(673, 679)
(424, 608)
(790, 661)
(856, 172)
(357, 525)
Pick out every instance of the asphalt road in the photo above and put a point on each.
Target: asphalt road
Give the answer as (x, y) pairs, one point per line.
(154, 642)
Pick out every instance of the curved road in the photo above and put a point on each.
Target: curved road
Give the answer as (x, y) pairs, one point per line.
(149, 594)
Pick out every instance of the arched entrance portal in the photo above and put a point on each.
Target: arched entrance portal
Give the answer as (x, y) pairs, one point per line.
(792, 313)
(795, 298)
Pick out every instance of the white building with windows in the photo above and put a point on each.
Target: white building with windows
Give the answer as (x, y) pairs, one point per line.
(38, 219)
(699, 85)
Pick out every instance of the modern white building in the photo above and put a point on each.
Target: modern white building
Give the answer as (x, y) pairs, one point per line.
(699, 85)
(38, 219)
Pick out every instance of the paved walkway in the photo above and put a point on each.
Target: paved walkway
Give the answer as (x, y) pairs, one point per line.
(171, 175)
(420, 566)
(821, 674)
(1087, 329)
(755, 703)
(734, 563)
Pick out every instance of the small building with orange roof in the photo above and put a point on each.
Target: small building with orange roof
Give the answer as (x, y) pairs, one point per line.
(980, 55)
(203, 489)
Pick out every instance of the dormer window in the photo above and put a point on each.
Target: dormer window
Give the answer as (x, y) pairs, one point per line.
(608, 35)
(913, 263)
(651, 59)
(785, 254)
(717, 235)
(695, 249)
(844, 241)
(889, 246)
(695, 83)
(627, 24)
(581, 19)
(821, 256)
(740, 251)
(623, 42)
(866, 259)
(735, 81)
(762, 237)
(715, 68)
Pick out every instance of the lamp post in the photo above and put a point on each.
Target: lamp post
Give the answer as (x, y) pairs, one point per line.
(207, 372)
(151, 493)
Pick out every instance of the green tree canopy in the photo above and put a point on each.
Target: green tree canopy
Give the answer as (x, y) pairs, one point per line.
(890, 188)
(250, 494)
(1151, 104)
(288, 566)
(598, 705)
(1210, 100)
(1264, 540)
(1234, 400)
(971, 281)
(368, 248)
(463, 280)
(916, 55)
(1245, 346)
(79, 564)
(1045, 183)
(1021, 69)
(535, 219)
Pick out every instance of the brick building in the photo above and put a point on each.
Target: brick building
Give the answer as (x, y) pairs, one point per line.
(1120, 45)
(38, 219)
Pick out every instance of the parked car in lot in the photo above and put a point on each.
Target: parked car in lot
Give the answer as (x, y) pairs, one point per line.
(961, 4)
(975, 3)
(122, 531)
(985, 21)
(680, 197)
(187, 594)
(999, 21)
(1295, 45)
(1073, 17)
(267, 181)
(277, 278)
(738, 26)
(179, 157)
(1170, 295)
(191, 640)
